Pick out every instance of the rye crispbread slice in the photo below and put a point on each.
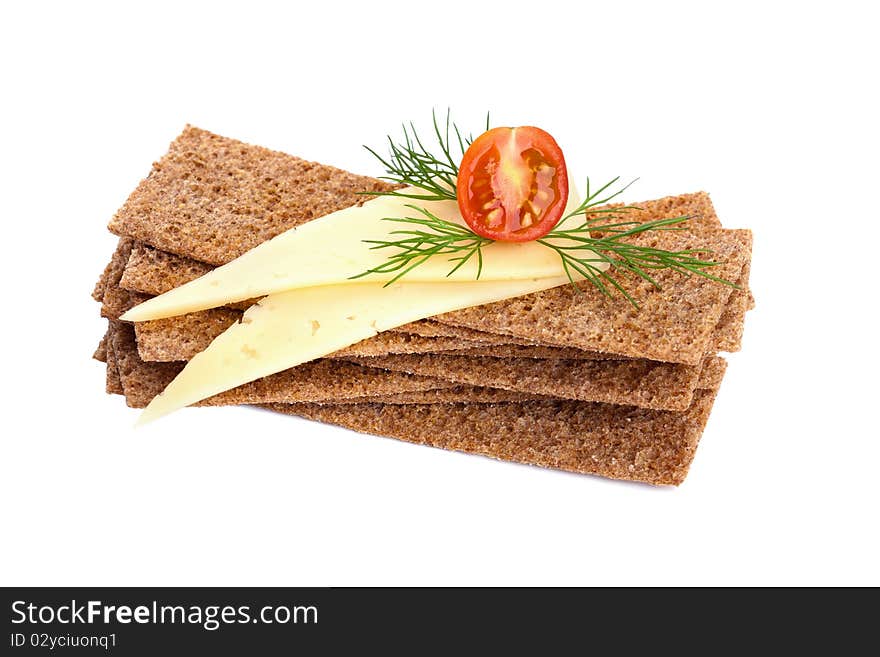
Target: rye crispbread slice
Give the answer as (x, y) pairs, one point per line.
(674, 323)
(642, 383)
(430, 329)
(98, 291)
(447, 395)
(317, 381)
(507, 374)
(113, 384)
(113, 297)
(621, 442)
(457, 394)
(180, 338)
(212, 198)
(153, 272)
(101, 351)
(526, 351)
(727, 335)
(710, 376)
(623, 382)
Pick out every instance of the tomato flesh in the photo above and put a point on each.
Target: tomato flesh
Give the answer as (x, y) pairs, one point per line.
(512, 184)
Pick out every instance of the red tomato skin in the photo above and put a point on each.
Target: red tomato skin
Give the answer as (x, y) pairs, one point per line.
(495, 173)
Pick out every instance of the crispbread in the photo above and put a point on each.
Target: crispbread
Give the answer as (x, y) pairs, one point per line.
(729, 332)
(117, 302)
(318, 381)
(181, 338)
(432, 329)
(113, 384)
(647, 384)
(674, 323)
(98, 290)
(712, 373)
(151, 271)
(212, 198)
(101, 351)
(114, 298)
(621, 442)
(638, 333)
(450, 394)
(457, 394)
(530, 351)
(710, 377)
(659, 385)
(663, 383)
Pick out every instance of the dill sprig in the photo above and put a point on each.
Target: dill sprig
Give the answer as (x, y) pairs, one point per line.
(410, 162)
(594, 199)
(591, 249)
(581, 251)
(419, 245)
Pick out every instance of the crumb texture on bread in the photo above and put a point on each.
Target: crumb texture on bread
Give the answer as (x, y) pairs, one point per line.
(212, 198)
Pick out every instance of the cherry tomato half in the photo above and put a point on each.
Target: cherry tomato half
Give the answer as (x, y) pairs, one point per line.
(512, 184)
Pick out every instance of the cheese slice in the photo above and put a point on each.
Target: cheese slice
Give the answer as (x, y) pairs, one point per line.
(332, 249)
(290, 328)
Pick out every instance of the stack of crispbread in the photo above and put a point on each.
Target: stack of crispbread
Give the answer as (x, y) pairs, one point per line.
(561, 379)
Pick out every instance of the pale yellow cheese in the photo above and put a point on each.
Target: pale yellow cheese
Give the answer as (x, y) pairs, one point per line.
(289, 328)
(332, 249)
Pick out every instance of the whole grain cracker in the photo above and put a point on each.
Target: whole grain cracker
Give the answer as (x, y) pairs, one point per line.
(151, 271)
(113, 297)
(212, 198)
(456, 394)
(620, 442)
(674, 323)
(318, 381)
(101, 351)
(447, 395)
(98, 290)
(431, 329)
(180, 338)
(532, 351)
(113, 384)
(647, 384)
(728, 334)
(611, 452)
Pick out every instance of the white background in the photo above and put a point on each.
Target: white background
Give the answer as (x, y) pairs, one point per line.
(771, 107)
